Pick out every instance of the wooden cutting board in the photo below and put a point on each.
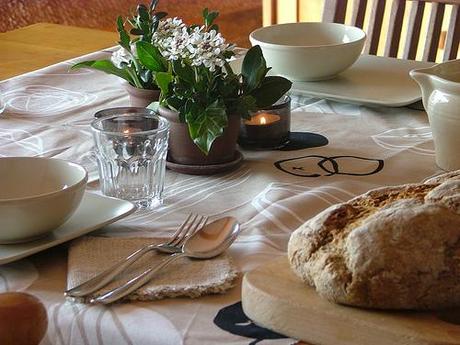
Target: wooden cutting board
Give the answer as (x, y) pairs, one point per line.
(273, 297)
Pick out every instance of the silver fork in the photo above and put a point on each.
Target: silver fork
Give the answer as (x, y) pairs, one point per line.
(191, 224)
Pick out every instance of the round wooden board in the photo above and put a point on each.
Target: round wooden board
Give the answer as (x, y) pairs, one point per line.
(273, 297)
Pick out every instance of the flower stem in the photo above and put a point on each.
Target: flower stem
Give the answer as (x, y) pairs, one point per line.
(135, 78)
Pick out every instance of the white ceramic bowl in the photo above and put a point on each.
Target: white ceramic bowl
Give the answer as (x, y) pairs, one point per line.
(309, 51)
(37, 195)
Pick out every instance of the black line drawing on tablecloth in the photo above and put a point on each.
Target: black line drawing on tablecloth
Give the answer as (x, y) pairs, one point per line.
(317, 166)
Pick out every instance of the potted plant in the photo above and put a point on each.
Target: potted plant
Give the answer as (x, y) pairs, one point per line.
(201, 95)
(132, 61)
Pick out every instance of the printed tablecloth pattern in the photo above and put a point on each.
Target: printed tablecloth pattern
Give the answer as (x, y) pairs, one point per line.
(272, 193)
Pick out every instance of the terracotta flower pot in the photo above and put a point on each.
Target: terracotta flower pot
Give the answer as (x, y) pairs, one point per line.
(140, 97)
(182, 150)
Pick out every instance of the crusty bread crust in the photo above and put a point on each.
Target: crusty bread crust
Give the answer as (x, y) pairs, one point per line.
(391, 248)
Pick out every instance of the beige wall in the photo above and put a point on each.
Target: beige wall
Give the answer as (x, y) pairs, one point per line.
(237, 17)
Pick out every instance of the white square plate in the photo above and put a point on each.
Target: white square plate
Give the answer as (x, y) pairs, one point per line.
(94, 212)
(372, 80)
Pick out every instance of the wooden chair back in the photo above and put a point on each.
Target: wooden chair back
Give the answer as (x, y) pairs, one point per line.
(335, 10)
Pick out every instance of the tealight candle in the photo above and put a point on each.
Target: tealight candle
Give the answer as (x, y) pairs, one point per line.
(262, 119)
(269, 128)
(130, 144)
(129, 128)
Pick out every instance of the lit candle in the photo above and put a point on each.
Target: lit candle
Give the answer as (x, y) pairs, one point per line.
(129, 145)
(268, 128)
(262, 119)
(264, 130)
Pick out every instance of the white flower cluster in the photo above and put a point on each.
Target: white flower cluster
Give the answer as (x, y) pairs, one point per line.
(176, 41)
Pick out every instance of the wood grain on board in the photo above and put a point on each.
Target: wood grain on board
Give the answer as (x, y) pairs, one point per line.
(275, 298)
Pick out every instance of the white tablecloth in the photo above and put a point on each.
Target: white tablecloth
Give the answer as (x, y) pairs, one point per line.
(48, 114)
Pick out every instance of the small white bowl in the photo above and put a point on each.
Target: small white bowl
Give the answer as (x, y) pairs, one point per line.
(37, 195)
(309, 51)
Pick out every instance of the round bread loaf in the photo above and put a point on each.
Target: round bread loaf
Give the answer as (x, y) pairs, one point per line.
(391, 248)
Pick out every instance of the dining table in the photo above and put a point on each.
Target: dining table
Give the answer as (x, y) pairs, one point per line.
(338, 150)
(42, 44)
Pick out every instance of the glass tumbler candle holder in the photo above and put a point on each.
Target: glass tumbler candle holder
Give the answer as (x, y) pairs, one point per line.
(267, 129)
(131, 152)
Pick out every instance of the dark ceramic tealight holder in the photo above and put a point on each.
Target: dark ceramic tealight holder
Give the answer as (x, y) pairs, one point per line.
(268, 129)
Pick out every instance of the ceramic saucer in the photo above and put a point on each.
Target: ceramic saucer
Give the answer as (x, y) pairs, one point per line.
(206, 169)
(94, 212)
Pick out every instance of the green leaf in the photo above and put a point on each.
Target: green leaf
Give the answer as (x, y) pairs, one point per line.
(163, 79)
(247, 104)
(228, 54)
(155, 25)
(230, 87)
(105, 66)
(214, 27)
(188, 106)
(124, 37)
(206, 126)
(254, 68)
(176, 104)
(184, 72)
(145, 75)
(136, 32)
(271, 90)
(131, 70)
(145, 27)
(150, 56)
(159, 15)
(205, 13)
(143, 13)
(210, 17)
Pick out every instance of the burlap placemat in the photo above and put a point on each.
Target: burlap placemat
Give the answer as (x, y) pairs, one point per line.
(89, 256)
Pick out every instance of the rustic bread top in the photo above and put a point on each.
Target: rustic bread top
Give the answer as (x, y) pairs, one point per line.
(393, 247)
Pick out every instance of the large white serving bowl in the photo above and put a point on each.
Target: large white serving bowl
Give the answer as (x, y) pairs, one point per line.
(309, 51)
(37, 195)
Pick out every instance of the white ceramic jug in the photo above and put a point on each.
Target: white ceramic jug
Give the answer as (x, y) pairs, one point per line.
(440, 86)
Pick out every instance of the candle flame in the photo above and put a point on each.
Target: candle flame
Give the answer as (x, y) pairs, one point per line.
(263, 120)
(126, 131)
